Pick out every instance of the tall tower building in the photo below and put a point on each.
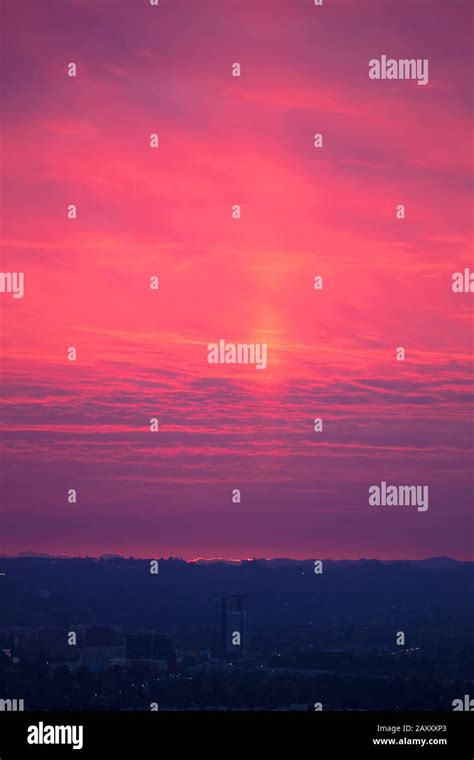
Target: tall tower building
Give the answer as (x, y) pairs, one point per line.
(235, 639)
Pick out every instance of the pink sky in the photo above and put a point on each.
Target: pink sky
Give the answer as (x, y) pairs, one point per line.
(167, 212)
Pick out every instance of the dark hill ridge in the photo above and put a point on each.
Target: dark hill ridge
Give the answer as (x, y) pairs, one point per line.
(283, 598)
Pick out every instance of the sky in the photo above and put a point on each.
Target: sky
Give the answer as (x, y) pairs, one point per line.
(167, 212)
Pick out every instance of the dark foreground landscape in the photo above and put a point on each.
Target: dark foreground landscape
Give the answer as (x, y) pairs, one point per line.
(127, 634)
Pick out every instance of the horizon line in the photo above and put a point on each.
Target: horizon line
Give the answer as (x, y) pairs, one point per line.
(112, 555)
